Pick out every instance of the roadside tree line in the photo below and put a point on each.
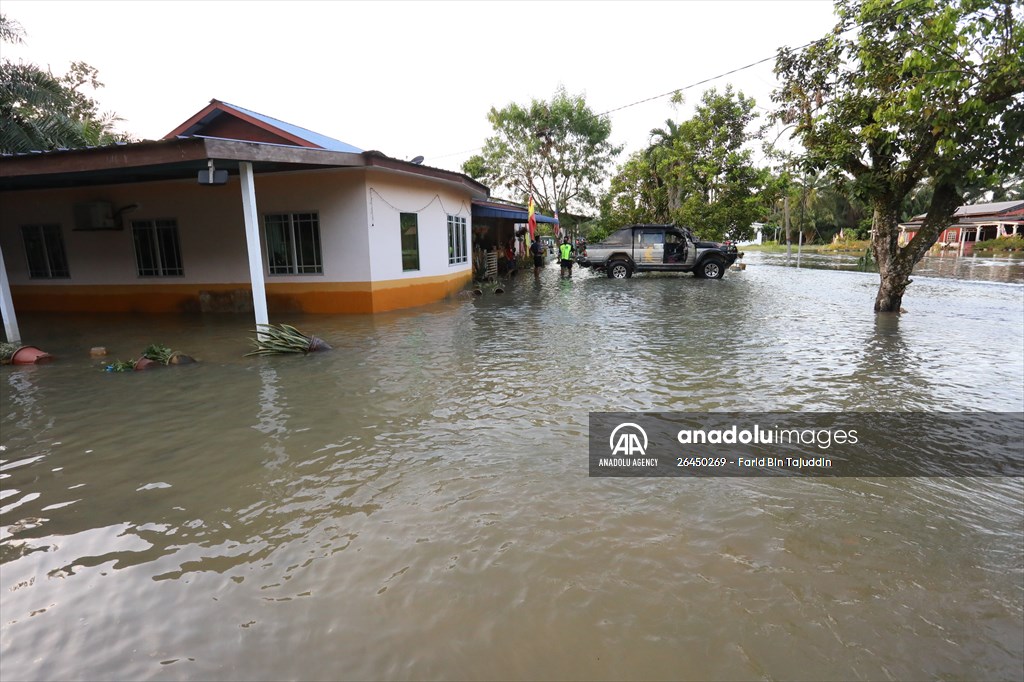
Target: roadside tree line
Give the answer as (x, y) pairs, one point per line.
(906, 107)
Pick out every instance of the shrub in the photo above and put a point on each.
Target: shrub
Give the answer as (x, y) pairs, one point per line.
(1015, 243)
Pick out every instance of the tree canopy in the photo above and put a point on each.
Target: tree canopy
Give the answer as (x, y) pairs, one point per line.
(557, 151)
(905, 91)
(41, 111)
(698, 173)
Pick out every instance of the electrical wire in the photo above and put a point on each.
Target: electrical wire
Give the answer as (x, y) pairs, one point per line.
(902, 7)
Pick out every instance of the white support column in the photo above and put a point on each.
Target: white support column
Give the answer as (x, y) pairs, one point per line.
(252, 242)
(7, 305)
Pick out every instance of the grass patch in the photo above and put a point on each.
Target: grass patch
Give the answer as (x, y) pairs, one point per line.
(775, 247)
(1001, 244)
(848, 245)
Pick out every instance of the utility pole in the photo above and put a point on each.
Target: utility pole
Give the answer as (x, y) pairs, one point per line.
(799, 246)
(789, 243)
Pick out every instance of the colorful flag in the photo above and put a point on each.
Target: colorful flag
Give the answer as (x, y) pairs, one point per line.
(532, 220)
(558, 228)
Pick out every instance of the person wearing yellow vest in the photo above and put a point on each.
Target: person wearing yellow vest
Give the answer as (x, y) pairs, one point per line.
(565, 257)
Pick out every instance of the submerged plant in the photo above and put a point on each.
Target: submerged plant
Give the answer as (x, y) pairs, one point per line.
(7, 351)
(276, 339)
(155, 355)
(158, 353)
(120, 366)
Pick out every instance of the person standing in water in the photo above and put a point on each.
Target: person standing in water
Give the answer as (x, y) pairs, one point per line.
(565, 257)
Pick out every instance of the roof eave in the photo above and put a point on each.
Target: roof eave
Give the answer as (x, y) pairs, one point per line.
(375, 159)
(117, 162)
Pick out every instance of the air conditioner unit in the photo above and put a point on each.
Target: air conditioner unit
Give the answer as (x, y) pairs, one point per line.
(95, 215)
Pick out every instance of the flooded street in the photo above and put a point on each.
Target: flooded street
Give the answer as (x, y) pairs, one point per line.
(1006, 268)
(415, 504)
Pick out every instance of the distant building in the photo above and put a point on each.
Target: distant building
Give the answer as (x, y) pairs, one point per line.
(758, 229)
(975, 223)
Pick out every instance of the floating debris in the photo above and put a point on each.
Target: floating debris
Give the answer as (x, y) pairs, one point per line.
(283, 338)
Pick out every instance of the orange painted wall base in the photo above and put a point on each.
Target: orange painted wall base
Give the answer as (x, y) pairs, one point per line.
(314, 297)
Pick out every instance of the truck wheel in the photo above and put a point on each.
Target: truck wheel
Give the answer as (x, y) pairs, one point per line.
(620, 270)
(712, 268)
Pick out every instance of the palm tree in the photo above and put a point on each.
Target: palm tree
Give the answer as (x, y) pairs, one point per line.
(661, 141)
(41, 111)
(665, 136)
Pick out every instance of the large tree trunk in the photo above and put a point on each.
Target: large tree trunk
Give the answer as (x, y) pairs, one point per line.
(893, 271)
(896, 263)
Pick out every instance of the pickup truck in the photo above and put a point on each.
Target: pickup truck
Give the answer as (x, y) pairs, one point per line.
(646, 248)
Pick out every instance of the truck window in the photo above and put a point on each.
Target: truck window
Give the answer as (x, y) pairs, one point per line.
(652, 237)
(620, 238)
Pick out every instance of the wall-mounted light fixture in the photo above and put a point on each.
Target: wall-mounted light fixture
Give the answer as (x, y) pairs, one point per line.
(212, 176)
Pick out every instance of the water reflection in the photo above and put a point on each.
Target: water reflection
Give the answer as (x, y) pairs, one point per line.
(1008, 269)
(272, 417)
(887, 373)
(414, 503)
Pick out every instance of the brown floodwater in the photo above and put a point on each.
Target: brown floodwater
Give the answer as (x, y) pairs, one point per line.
(415, 504)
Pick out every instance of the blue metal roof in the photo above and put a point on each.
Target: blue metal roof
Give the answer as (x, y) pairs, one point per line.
(306, 134)
(490, 210)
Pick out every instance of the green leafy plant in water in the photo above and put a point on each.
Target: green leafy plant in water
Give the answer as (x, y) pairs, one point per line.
(7, 351)
(120, 366)
(279, 339)
(158, 353)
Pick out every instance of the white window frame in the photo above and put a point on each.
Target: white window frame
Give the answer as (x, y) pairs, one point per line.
(52, 240)
(458, 251)
(293, 221)
(164, 265)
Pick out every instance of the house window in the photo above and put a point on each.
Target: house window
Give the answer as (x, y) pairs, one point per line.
(293, 244)
(457, 252)
(410, 241)
(44, 248)
(157, 253)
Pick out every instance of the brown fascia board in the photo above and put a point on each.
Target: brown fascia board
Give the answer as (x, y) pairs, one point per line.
(156, 152)
(223, 109)
(375, 159)
(195, 118)
(240, 150)
(149, 153)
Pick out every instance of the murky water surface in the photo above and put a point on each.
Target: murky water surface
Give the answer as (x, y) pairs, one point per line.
(415, 504)
(1007, 268)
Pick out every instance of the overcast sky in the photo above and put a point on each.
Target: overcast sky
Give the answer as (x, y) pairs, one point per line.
(411, 78)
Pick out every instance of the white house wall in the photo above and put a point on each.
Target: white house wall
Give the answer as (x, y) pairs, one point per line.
(387, 197)
(358, 213)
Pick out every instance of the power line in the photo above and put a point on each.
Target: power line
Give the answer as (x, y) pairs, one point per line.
(906, 5)
(666, 94)
(650, 99)
(693, 85)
